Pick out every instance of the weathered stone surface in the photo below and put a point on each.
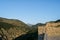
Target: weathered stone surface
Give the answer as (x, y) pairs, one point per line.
(51, 31)
(41, 31)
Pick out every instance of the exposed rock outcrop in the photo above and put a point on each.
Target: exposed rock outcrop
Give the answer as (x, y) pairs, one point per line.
(51, 30)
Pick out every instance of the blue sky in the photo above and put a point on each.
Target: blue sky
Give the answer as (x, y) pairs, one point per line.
(30, 11)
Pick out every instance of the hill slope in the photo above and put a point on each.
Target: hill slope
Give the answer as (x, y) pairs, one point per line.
(12, 28)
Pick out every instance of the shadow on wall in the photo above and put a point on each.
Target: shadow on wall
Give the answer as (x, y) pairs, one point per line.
(29, 36)
(41, 36)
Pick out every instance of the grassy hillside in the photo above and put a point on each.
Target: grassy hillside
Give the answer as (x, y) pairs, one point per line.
(12, 28)
(8, 23)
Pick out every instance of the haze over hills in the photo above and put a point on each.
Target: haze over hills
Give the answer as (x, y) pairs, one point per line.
(29, 19)
(13, 29)
(10, 29)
